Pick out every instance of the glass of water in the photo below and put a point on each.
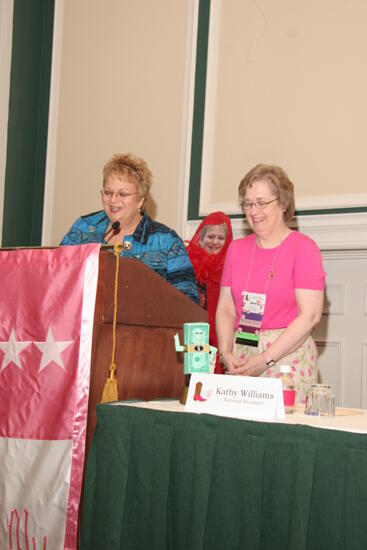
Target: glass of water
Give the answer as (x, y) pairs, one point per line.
(320, 400)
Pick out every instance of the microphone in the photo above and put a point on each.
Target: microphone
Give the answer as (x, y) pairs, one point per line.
(114, 226)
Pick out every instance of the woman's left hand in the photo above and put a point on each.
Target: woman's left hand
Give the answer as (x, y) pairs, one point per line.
(253, 366)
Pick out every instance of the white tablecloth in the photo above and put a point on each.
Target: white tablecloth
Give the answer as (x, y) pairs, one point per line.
(354, 420)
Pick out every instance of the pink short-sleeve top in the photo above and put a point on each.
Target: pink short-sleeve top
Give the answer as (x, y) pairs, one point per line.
(295, 264)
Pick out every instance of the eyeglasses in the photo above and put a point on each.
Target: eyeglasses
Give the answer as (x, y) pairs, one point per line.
(260, 204)
(119, 195)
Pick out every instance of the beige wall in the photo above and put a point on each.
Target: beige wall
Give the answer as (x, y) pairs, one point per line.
(122, 70)
(291, 88)
(287, 84)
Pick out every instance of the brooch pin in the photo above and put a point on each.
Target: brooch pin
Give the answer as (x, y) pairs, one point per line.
(127, 245)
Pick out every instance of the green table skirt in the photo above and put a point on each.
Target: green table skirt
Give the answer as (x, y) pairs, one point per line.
(159, 480)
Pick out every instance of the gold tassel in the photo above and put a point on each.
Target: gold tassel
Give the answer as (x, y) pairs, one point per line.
(110, 390)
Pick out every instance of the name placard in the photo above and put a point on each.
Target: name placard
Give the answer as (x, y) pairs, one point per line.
(236, 396)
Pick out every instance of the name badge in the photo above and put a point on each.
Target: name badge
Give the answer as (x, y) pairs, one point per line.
(253, 307)
(249, 397)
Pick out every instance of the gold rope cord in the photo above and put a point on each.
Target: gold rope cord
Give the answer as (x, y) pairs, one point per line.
(110, 390)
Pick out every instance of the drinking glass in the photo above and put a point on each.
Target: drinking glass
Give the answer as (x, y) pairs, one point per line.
(320, 400)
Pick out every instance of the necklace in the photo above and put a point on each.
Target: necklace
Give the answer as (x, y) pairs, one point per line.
(271, 274)
(271, 270)
(276, 242)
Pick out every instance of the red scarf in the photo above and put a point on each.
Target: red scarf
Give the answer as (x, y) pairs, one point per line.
(208, 271)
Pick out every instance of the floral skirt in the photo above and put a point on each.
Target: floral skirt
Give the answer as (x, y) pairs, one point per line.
(303, 361)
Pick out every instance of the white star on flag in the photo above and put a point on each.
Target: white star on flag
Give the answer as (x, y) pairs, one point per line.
(51, 350)
(12, 350)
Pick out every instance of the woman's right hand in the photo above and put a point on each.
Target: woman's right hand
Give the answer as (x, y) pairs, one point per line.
(230, 362)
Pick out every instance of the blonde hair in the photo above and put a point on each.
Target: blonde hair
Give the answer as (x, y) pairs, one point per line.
(205, 228)
(131, 168)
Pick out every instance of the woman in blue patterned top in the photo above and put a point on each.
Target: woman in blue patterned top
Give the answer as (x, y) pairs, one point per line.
(126, 184)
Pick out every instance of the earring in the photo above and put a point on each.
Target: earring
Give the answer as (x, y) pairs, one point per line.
(140, 210)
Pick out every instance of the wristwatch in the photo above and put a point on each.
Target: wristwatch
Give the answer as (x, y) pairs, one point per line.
(269, 362)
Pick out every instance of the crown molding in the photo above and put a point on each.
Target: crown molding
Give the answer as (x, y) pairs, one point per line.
(331, 232)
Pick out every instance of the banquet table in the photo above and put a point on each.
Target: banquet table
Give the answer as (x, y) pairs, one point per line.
(160, 478)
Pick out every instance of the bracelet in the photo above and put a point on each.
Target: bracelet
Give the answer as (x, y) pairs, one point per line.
(221, 353)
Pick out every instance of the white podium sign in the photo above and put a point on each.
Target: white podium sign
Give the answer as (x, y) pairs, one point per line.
(236, 396)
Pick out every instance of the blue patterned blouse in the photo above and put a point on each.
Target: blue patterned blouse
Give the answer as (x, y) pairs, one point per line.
(155, 244)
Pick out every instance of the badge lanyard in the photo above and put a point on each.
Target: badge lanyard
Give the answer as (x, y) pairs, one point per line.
(253, 307)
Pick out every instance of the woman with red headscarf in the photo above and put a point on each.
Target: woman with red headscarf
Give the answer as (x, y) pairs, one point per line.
(207, 251)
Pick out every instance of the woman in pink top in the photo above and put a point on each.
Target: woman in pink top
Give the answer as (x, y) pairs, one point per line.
(272, 287)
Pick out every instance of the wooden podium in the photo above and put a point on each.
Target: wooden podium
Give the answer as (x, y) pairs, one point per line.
(150, 311)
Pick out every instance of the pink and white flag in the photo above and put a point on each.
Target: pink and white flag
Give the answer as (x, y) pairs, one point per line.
(47, 299)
